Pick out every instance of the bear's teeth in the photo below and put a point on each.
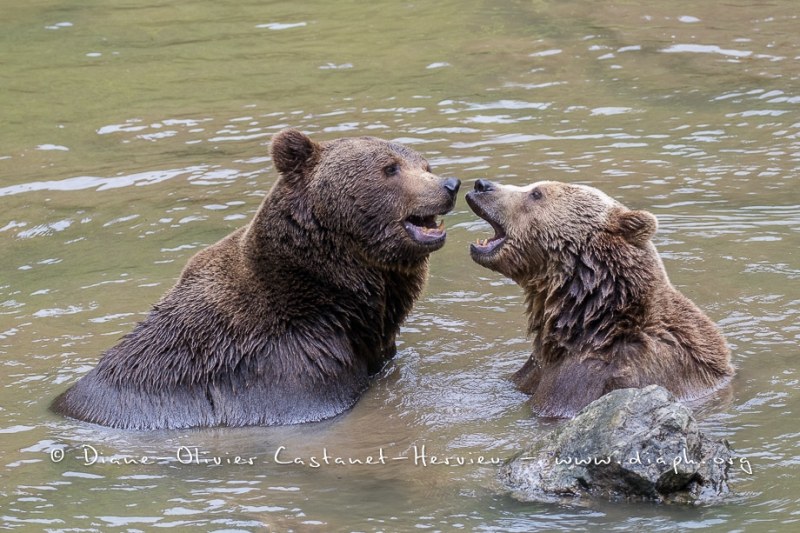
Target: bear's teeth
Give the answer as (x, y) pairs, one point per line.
(428, 230)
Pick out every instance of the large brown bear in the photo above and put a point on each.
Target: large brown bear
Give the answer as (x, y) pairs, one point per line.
(601, 309)
(284, 320)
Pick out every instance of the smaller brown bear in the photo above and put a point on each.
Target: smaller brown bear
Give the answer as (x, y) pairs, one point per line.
(601, 309)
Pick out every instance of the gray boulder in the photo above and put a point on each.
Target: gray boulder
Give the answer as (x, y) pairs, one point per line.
(631, 444)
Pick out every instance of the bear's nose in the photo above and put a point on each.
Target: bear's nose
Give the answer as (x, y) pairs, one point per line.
(484, 185)
(452, 185)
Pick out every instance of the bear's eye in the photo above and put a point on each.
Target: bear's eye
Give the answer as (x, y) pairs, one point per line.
(391, 170)
(536, 194)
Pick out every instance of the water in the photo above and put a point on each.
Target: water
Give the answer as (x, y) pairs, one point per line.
(135, 133)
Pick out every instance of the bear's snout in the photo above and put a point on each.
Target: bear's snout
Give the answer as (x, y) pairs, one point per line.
(451, 185)
(482, 185)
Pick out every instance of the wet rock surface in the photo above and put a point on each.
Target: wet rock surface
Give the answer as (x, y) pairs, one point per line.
(631, 444)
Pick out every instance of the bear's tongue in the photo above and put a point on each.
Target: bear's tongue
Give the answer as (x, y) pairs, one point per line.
(424, 229)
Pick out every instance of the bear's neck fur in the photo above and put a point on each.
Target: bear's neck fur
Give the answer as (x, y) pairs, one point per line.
(586, 298)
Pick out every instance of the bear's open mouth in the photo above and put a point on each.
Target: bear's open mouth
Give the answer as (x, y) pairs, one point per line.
(486, 246)
(425, 229)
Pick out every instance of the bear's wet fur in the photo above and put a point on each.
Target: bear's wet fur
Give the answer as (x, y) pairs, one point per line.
(601, 310)
(284, 320)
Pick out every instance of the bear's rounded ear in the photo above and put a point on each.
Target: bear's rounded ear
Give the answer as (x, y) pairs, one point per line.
(293, 152)
(635, 226)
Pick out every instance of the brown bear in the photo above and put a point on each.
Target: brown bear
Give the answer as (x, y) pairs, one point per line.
(601, 310)
(284, 320)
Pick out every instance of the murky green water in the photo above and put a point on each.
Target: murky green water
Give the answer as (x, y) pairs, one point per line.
(134, 133)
